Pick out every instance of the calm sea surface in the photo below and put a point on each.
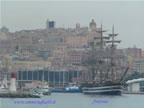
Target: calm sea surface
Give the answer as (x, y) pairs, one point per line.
(60, 100)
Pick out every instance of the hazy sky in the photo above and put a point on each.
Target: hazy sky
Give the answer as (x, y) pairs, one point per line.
(127, 17)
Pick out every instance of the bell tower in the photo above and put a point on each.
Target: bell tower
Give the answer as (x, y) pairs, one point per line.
(92, 25)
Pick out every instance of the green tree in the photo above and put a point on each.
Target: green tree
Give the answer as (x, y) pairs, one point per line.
(17, 47)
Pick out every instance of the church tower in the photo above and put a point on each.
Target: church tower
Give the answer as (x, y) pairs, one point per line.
(92, 25)
(47, 24)
(50, 24)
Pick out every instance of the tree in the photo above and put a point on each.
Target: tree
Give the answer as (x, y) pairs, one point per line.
(17, 47)
(135, 75)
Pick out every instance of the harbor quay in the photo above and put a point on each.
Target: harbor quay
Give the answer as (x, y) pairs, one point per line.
(17, 94)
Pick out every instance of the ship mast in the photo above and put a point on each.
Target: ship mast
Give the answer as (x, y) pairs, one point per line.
(101, 50)
(99, 54)
(102, 59)
(113, 48)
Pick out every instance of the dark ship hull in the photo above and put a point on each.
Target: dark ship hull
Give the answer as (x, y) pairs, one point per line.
(107, 88)
(103, 90)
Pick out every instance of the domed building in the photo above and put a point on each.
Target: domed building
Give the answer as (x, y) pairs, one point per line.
(4, 30)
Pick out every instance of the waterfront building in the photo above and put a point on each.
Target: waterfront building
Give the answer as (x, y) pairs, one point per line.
(135, 85)
(54, 77)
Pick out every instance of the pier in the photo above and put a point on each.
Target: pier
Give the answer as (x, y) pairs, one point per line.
(17, 95)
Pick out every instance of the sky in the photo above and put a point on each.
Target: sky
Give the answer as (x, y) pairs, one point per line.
(127, 16)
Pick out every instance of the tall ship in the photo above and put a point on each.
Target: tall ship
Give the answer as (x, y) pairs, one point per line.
(106, 66)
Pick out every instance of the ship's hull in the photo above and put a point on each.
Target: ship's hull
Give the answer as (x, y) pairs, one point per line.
(103, 90)
(67, 91)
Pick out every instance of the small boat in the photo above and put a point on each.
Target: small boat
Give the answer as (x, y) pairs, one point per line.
(46, 90)
(70, 88)
(40, 94)
(4, 87)
(42, 90)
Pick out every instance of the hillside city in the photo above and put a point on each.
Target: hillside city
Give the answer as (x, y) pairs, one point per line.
(54, 49)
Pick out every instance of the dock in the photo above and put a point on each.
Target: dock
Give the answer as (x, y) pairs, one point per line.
(142, 93)
(18, 95)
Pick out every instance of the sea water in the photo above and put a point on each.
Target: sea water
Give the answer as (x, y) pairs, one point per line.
(75, 100)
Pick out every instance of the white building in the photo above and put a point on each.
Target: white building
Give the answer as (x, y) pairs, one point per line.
(134, 85)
